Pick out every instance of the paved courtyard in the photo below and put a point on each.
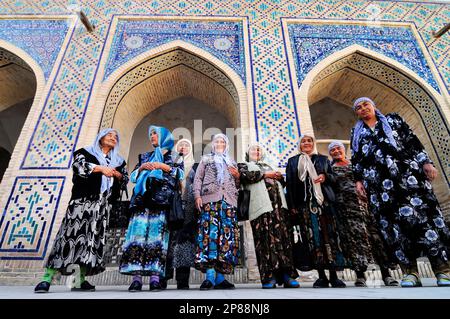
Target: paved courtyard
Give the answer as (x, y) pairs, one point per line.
(242, 291)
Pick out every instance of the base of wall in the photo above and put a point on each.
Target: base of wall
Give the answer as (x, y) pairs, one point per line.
(112, 277)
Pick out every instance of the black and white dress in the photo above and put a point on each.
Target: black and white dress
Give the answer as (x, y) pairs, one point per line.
(81, 238)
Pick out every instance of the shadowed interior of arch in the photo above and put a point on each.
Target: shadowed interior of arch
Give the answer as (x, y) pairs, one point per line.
(17, 91)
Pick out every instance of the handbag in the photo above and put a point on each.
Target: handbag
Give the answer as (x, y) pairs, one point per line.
(120, 213)
(243, 205)
(175, 217)
(161, 192)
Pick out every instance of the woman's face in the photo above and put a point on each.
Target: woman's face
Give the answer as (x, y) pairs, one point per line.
(365, 110)
(109, 140)
(219, 145)
(154, 138)
(184, 148)
(254, 153)
(307, 145)
(338, 153)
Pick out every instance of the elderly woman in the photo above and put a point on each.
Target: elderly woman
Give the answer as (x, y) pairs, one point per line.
(98, 175)
(184, 239)
(269, 219)
(310, 200)
(360, 237)
(393, 170)
(215, 190)
(147, 237)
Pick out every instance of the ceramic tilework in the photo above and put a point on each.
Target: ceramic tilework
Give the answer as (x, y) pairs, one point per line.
(56, 133)
(223, 39)
(312, 43)
(27, 220)
(41, 39)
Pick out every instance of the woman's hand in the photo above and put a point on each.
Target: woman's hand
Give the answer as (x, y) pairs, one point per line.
(271, 175)
(430, 171)
(198, 204)
(360, 190)
(117, 175)
(147, 166)
(234, 171)
(105, 170)
(320, 179)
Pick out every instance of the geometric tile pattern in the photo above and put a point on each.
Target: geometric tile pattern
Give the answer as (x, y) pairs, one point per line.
(27, 221)
(41, 39)
(312, 43)
(223, 39)
(156, 65)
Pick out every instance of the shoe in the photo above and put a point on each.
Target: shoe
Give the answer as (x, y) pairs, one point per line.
(155, 286)
(269, 284)
(390, 282)
(410, 281)
(321, 283)
(291, 283)
(135, 286)
(206, 285)
(182, 286)
(360, 282)
(163, 284)
(42, 287)
(337, 283)
(443, 280)
(85, 286)
(224, 285)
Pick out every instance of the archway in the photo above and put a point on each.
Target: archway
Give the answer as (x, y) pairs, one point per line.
(332, 87)
(17, 91)
(176, 88)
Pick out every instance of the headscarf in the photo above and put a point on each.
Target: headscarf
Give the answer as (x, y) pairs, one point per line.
(360, 125)
(187, 160)
(113, 159)
(165, 142)
(261, 150)
(222, 160)
(306, 169)
(333, 144)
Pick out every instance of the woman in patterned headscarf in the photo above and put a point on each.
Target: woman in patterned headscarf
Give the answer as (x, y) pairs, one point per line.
(147, 238)
(392, 168)
(98, 175)
(215, 191)
(269, 219)
(360, 237)
(310, 198)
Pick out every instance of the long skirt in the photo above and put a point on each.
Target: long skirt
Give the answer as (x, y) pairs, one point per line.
(218, 238)
(316, 238)
(81, 238)
(273, 246)
(146, 244)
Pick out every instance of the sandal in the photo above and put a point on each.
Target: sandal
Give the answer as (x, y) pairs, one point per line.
(443, 280)
(360, 282)
(390, 282)
(269, 284)
(410, 281)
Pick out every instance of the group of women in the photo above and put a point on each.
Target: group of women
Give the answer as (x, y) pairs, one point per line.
(324, 215)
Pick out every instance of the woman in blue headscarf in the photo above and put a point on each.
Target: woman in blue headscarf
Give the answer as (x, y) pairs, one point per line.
(393, 170)
(147, 238)
(99, 173)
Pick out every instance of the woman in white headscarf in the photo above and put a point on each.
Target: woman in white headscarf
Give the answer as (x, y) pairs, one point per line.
(98, 172)
(310, 199)
(215, 190)
(269, 219)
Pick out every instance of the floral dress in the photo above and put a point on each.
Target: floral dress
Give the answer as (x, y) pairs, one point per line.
(360, 236)
(271, 230)
(400, 197)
